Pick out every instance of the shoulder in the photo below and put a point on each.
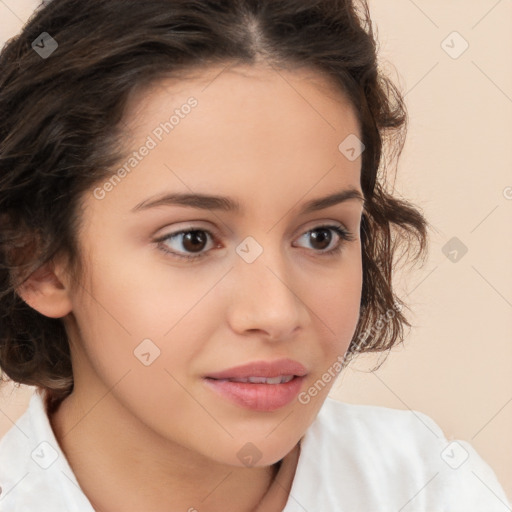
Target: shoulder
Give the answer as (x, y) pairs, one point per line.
(373, 455)
(34, 473)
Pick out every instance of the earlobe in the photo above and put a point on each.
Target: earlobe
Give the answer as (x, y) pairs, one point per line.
(46, 293)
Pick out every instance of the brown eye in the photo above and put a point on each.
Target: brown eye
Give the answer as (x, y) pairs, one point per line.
(188, 244)
(194, 241)
(320, 238)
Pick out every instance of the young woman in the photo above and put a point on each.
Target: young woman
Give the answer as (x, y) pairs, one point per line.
(196, 238)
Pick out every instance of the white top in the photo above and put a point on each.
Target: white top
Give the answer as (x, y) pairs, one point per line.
(354, 458)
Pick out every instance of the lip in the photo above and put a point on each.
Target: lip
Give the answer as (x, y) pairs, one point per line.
(259, 396)
(262, 369)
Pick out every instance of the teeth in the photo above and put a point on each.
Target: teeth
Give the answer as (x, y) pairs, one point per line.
(265, 380)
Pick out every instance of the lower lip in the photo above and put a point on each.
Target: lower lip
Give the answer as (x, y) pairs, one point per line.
(258, 397)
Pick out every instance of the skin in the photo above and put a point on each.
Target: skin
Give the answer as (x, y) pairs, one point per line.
(156, 437)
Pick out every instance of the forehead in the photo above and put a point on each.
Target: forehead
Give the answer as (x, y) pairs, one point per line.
(256, 134)
(300, 91)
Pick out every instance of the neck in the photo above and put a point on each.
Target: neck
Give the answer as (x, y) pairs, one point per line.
(107, 461)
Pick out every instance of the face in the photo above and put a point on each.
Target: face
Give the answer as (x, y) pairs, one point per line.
(176, 290)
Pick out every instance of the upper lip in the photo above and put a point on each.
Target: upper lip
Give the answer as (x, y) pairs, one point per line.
(268, 369)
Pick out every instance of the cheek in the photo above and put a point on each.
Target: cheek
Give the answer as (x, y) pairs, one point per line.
(139, 340)
(340, 306)
(128, 310)
(335, 310)
(337, 301)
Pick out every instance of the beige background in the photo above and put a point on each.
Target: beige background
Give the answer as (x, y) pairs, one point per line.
(456, 364)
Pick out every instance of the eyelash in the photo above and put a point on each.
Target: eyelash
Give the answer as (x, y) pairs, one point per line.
(344, 235)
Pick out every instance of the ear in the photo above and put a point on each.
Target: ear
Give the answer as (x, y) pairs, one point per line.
(45, 292)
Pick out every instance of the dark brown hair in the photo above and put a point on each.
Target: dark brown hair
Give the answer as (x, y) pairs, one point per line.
(61, 127)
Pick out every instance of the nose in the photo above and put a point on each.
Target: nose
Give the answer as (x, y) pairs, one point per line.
(263, 298)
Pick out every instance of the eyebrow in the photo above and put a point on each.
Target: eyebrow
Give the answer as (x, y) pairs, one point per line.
(226, 204)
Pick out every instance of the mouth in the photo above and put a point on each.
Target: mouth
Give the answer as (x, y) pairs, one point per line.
(283, 379)
(279, 369)
(259, 385)
(262, 394)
